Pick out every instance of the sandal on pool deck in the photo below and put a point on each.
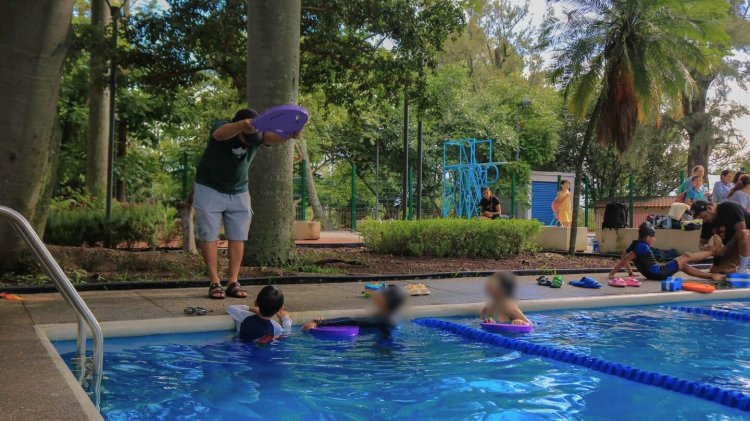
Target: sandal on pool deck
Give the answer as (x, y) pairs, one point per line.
(216, 292)
(617, 282)
(234, 290)
(631, 282)
(586, 282)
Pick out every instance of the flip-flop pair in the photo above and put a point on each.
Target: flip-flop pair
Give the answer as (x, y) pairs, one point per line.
(624, 282)
(556, 282)
(586, 282)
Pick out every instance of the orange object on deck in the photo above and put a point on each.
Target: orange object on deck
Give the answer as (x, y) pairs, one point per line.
(11, 297)
(698, 287)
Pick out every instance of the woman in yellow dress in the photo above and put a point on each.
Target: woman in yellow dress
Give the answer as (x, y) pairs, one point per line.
(562, 205)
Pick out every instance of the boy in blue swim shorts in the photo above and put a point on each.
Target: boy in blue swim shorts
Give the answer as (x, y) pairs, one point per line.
(642, 255)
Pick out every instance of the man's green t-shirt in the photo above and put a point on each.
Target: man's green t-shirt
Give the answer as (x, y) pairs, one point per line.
(224, 164)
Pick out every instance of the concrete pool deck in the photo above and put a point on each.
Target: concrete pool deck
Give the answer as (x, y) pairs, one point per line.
(34, 388)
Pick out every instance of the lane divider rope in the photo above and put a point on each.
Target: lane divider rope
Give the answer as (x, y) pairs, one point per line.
(720, 314)
(726, 397)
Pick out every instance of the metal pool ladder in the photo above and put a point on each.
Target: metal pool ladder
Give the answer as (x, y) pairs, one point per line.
(71, 296)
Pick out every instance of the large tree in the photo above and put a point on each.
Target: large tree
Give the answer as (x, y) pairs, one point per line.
(273, 30)
(33, 42)
(624, 60)
(97, 136)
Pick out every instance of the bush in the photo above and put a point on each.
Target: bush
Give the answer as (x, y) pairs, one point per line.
(73, 224)
(451, 237)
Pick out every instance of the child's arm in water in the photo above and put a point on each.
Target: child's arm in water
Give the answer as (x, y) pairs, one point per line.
(624, 262)
(486, 315)
(286, 321)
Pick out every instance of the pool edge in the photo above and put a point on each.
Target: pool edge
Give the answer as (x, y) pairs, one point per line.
(87, 405)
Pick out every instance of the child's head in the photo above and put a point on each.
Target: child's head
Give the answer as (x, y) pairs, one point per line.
(390, 299)
(696, 182)
(501, 286)
(726, 176)
(269, 301)
(647, 233)
(565, 185)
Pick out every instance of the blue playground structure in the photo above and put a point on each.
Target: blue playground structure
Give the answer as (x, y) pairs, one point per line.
(464, 176)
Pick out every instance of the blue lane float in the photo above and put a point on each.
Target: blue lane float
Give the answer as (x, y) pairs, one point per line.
(719, 314)
(726, 397)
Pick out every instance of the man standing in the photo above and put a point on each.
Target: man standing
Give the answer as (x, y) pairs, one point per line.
(221, 193)
(731, 219)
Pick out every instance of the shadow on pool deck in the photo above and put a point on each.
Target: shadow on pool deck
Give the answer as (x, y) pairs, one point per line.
(34, 389)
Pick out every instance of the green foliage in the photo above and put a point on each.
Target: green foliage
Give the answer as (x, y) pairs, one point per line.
(74, 224)
(451, 237)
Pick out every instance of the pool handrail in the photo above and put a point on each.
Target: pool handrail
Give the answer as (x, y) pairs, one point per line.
(71, 296)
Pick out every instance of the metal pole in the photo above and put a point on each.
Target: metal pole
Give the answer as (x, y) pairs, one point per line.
(586, 203)
(115, 12)
(354, 197)
(513, 194)
(405, 175)
(377, 179)
(518, 133)
(411, 196)
(303, 191)
(420, 161)
(631, 186)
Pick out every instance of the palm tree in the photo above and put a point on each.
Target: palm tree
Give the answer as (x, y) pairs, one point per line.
(624, 62)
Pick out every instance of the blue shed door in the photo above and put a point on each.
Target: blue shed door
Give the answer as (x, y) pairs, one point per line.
(542, 195)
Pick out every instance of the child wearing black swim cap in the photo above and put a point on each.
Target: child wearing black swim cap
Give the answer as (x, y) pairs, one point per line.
(502, 306)
(641, 254)
(388, 302)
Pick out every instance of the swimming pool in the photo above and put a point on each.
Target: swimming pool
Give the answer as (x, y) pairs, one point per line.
(431, 374)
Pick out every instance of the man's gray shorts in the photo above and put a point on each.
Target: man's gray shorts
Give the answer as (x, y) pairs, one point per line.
(211, 206)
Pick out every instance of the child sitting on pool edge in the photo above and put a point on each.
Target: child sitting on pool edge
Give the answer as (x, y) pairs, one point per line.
(641, 253)
(503, 308)
(388, 301)
(256, 324)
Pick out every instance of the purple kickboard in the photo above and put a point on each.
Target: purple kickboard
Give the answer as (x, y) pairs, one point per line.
(335, 332)
(506, 328)
(282, 119)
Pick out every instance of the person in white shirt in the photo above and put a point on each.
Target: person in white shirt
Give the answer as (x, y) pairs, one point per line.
(257, 324)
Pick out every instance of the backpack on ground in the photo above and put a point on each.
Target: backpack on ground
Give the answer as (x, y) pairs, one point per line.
(615, 215)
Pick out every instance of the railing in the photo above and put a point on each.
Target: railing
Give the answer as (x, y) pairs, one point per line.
(71, 296)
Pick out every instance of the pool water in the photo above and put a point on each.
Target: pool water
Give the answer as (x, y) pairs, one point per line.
(424, 373)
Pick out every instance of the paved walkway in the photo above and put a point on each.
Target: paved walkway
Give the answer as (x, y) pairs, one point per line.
(33, 389)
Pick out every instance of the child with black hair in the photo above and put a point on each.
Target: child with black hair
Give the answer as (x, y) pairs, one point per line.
(388, 302)
(641, 253)
(503, 307)
(256, 324)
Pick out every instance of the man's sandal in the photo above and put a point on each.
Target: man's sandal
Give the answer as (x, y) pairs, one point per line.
(216, 292)
(234, 289)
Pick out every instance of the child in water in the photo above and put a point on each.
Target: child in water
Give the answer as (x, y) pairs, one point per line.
(502, 308)
(257, 324)
(388, 301)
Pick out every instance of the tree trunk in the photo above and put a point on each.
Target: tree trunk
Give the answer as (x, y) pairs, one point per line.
(273, 29)
(697, 124)
(312, 193)
(50, 178)
(34, 39)
(579, 174)
(97, 137)
(188, 228)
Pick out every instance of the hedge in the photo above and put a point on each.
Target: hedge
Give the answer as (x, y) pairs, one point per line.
(74, 224)
(451, 237)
